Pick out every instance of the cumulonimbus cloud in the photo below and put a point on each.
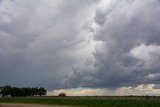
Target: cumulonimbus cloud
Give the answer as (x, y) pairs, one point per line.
(127, 51)
(40, 40)
(112, 43)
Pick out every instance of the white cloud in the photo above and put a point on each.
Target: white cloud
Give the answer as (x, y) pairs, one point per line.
(121, 91)
(128, 49)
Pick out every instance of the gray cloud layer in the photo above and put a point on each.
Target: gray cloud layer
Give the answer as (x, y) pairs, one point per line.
(43, 40)
(40, 40)
(128, 50)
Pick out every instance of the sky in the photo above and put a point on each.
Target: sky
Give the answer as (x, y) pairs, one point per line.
(105, 47)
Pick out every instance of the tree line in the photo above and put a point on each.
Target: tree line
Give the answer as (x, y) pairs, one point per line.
(22, 92)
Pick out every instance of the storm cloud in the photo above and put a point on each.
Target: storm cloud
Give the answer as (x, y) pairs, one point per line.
(98, 44)
(128, 42)
(40, 40)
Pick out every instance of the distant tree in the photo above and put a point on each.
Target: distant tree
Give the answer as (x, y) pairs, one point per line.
(1, 90)
(6, 91)
(34, 91)
(28, 91)
(13, 92)
(41, 91)
(22, 92)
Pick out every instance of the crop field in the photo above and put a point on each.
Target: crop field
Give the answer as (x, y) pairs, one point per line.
(110, 101)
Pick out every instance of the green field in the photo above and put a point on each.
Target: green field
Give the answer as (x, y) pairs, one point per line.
(113, 101)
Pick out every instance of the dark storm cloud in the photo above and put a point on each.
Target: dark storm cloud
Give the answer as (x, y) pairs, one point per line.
(97, 45)
(39, 40)
(127, 53)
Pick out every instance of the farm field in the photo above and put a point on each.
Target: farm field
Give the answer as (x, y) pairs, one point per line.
(27, 105)
(110, 101)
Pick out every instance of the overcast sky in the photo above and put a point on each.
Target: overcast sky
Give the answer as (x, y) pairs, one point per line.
(97, 43)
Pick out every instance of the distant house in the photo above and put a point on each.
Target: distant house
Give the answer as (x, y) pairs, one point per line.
(62, 95)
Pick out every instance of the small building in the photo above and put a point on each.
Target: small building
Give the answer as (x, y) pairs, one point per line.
(62, 95)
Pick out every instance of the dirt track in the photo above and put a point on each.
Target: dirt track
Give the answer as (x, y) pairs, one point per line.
(28, 105)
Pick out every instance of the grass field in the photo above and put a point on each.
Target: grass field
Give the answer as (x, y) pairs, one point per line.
(113, 101)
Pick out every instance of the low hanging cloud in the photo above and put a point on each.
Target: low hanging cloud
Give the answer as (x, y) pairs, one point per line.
(40, 40)
(98, 44)
(149, 89)
(128, 42)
